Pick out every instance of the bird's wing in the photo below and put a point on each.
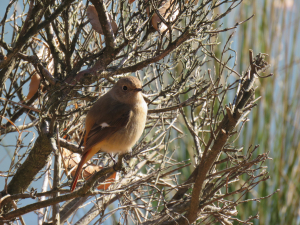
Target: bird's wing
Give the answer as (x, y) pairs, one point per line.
(107, 124)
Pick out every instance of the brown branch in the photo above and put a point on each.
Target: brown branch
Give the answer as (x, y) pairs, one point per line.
(24, 106)
(35, 161)
(138, 66)
(230, 28)
(72, 147)
(226, 126)
(18, 128)
(105, 24)
(178, 106)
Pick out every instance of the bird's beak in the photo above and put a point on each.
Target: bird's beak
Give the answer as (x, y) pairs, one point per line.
(138, 89)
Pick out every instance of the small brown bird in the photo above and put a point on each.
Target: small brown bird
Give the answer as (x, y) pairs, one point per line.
(115, 122)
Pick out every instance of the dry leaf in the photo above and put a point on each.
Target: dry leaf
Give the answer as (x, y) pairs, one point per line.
(2, 57)
(108, 182)
(45, 56)
(169, 11)
(72, 160)
(92, 14)
(34, 85)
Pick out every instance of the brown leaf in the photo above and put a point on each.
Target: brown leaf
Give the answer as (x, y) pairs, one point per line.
(92, 14)
(2, 57)
(169, 11)
(34, 85)
(108, 182)
(73, 159)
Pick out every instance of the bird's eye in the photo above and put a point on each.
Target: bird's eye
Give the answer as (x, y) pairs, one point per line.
(124, 88)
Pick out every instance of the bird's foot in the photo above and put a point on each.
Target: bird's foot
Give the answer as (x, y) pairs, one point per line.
(113, 159)
(115, 163)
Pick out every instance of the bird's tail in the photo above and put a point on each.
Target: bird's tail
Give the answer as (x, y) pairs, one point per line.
(78, 171)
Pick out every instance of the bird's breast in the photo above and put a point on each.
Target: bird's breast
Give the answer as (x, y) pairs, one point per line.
(123, 140)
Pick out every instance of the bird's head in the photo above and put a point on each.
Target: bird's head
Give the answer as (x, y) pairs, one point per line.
(128, 90)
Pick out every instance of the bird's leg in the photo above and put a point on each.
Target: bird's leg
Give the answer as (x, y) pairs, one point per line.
(128, 156)
(117, 165)
(113, 159)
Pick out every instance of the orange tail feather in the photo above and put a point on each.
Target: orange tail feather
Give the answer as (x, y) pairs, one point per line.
(78, 171)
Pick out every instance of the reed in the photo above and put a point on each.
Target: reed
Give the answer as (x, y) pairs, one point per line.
(275, 123)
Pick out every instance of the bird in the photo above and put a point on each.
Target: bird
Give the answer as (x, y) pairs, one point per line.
(115, 122)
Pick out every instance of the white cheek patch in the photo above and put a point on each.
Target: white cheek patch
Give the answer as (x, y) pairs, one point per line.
(104, 125)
